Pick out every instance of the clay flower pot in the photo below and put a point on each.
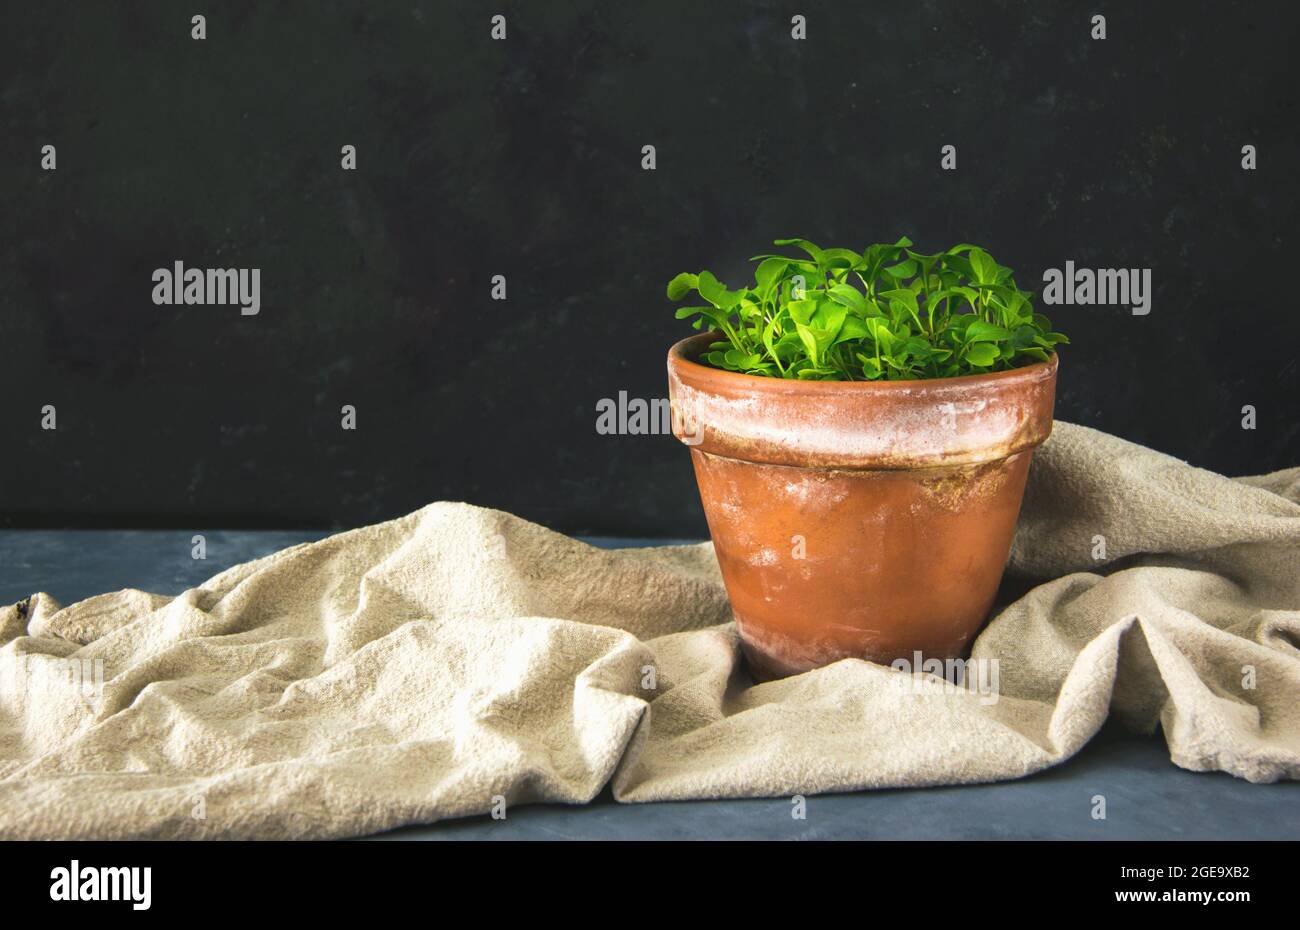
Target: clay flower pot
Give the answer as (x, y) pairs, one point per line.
(870, 518)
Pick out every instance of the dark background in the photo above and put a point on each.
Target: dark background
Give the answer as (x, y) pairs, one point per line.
(523, 158)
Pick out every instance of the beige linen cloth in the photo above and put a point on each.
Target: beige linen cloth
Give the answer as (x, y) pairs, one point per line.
(425, 667)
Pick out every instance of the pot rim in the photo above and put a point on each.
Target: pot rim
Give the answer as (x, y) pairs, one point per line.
(966, 420)
(684, 354)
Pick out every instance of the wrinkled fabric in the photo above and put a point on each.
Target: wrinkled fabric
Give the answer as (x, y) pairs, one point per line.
(459, 658)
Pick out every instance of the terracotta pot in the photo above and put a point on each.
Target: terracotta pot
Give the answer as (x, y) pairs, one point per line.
(867, 519)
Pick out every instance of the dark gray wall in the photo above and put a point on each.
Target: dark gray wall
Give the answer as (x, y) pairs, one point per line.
(523, 158)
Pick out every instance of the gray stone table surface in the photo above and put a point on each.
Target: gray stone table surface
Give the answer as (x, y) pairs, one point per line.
(1147, 796)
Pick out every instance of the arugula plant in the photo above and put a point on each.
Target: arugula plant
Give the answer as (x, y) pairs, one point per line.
(885, 314)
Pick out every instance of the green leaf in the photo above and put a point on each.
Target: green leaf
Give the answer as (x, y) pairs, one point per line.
(985, 268)
(980, 331)
(849, 297)
(982, 354)
(814, 251)
(829, 317)
(748, 310)
(715, 292)
(958, 322)
(801, 311)
(853, 329)
(840, 258)
(770, 329)
(902, 303)
(680, 286)
(902, 269)
(870, 367)
(769, 273)
(915, 347)
(809, 339)
(880, 332)
(959, 265)
(742, 361)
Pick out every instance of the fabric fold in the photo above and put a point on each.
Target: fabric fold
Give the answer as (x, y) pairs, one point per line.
(457, 660)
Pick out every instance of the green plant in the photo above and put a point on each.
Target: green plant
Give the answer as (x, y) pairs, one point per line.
(887, 313)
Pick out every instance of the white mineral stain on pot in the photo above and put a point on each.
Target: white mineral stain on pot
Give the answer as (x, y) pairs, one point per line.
(949, 412)
(816, 491)
(960, 422)
(955, 428)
